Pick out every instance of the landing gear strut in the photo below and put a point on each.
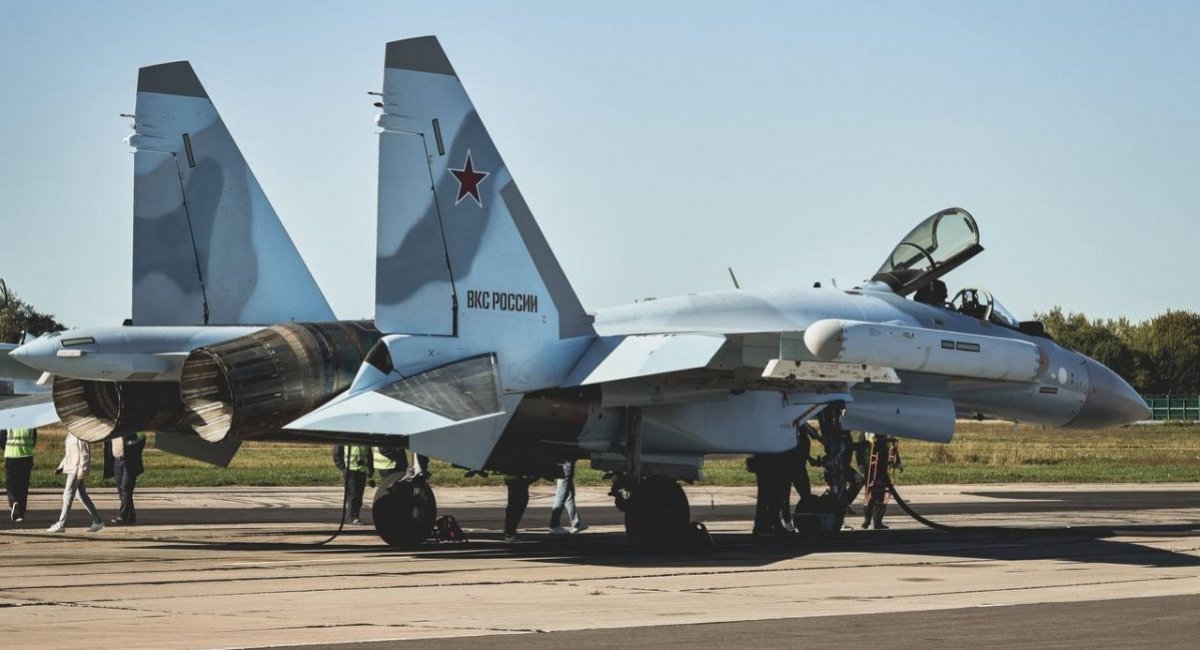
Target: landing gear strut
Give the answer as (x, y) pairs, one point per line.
(404, 511)
(657, 517)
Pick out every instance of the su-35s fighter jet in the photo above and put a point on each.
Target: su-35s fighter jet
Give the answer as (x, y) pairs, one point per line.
(489, 360)
(212, 265)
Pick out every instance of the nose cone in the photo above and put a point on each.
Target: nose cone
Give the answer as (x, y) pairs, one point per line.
(37, 354)
(1110, 401)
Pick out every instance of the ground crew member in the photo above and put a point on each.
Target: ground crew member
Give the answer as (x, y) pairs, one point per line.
(76, 465)
(564, 497)
(885, 454)
(18, 467)
(771, 475)
(355, 462)
(123, 461)
(388, 460)
(518, 500)
(798, 459)
(420, 466)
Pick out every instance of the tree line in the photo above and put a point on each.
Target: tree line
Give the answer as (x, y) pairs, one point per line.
(1157, 356)
(18, 316)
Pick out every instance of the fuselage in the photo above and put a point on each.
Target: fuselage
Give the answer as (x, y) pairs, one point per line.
(1070, 389)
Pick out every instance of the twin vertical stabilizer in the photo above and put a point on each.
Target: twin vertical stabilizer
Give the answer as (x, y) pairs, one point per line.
(459, 253)
(208, 248)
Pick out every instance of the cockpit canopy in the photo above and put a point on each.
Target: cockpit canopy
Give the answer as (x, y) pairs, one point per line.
(938, 245)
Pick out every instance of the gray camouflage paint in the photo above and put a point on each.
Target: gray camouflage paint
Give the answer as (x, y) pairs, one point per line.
(435, 245)
(474, 242)
(203, 228)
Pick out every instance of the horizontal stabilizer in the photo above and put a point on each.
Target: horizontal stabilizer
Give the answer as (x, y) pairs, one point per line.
(454, 412)
(27, 412)
(613, 358)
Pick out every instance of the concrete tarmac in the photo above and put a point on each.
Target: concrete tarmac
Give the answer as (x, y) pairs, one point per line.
(236, 567)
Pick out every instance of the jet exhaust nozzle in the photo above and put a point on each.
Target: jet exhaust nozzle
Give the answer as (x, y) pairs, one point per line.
(251, 386)
(99, 410)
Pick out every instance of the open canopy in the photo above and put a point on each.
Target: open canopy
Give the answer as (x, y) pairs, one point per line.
(935, 247)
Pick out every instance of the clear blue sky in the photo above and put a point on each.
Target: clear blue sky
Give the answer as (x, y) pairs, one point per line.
(656, 144)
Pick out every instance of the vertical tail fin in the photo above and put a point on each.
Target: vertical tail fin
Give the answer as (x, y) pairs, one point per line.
(208, 247)
(459, 253)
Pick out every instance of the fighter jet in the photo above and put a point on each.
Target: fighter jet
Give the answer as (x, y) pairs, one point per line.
(211, 263)
(491, 362)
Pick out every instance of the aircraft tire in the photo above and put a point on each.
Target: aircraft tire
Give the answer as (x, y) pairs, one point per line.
(657, 517)
(404, 510)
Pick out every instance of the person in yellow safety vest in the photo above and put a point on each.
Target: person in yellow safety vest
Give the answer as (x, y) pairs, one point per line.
(123, 461)
(389, 460)
(357, 464)
(18, 467)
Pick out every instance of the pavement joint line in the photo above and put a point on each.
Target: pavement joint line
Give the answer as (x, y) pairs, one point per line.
(417, 625)
(737, 571)
(542, 581)
(1028, 588)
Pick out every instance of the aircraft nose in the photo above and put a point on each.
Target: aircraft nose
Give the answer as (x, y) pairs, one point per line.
(1110, 401)
(35, 353)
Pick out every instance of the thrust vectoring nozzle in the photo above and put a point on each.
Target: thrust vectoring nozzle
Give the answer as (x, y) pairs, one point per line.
(920, 350)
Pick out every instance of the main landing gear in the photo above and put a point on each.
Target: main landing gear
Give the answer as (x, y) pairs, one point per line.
(657, 516)
(404, 511)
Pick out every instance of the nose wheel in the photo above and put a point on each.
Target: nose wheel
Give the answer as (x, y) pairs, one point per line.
(404, 510)
(657, 517)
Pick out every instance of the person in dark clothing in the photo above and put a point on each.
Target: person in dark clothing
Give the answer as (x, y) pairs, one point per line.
(797, 463)
(518, 500)
(18, 468)
(355, 463)
(123, 461)
(771, 475)
(934, 293)
(420, 466)
(885, 455)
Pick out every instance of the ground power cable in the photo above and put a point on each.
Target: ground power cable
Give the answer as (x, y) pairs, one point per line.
(1010, 531)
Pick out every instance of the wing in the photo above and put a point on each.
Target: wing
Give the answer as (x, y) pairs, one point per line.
(614, 358)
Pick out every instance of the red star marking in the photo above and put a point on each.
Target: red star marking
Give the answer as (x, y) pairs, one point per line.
(468, 181)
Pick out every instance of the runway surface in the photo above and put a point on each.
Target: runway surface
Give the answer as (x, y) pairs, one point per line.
(235, 567)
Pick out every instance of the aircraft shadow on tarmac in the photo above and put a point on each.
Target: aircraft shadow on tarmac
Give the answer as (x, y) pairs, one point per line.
(1085, 544)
